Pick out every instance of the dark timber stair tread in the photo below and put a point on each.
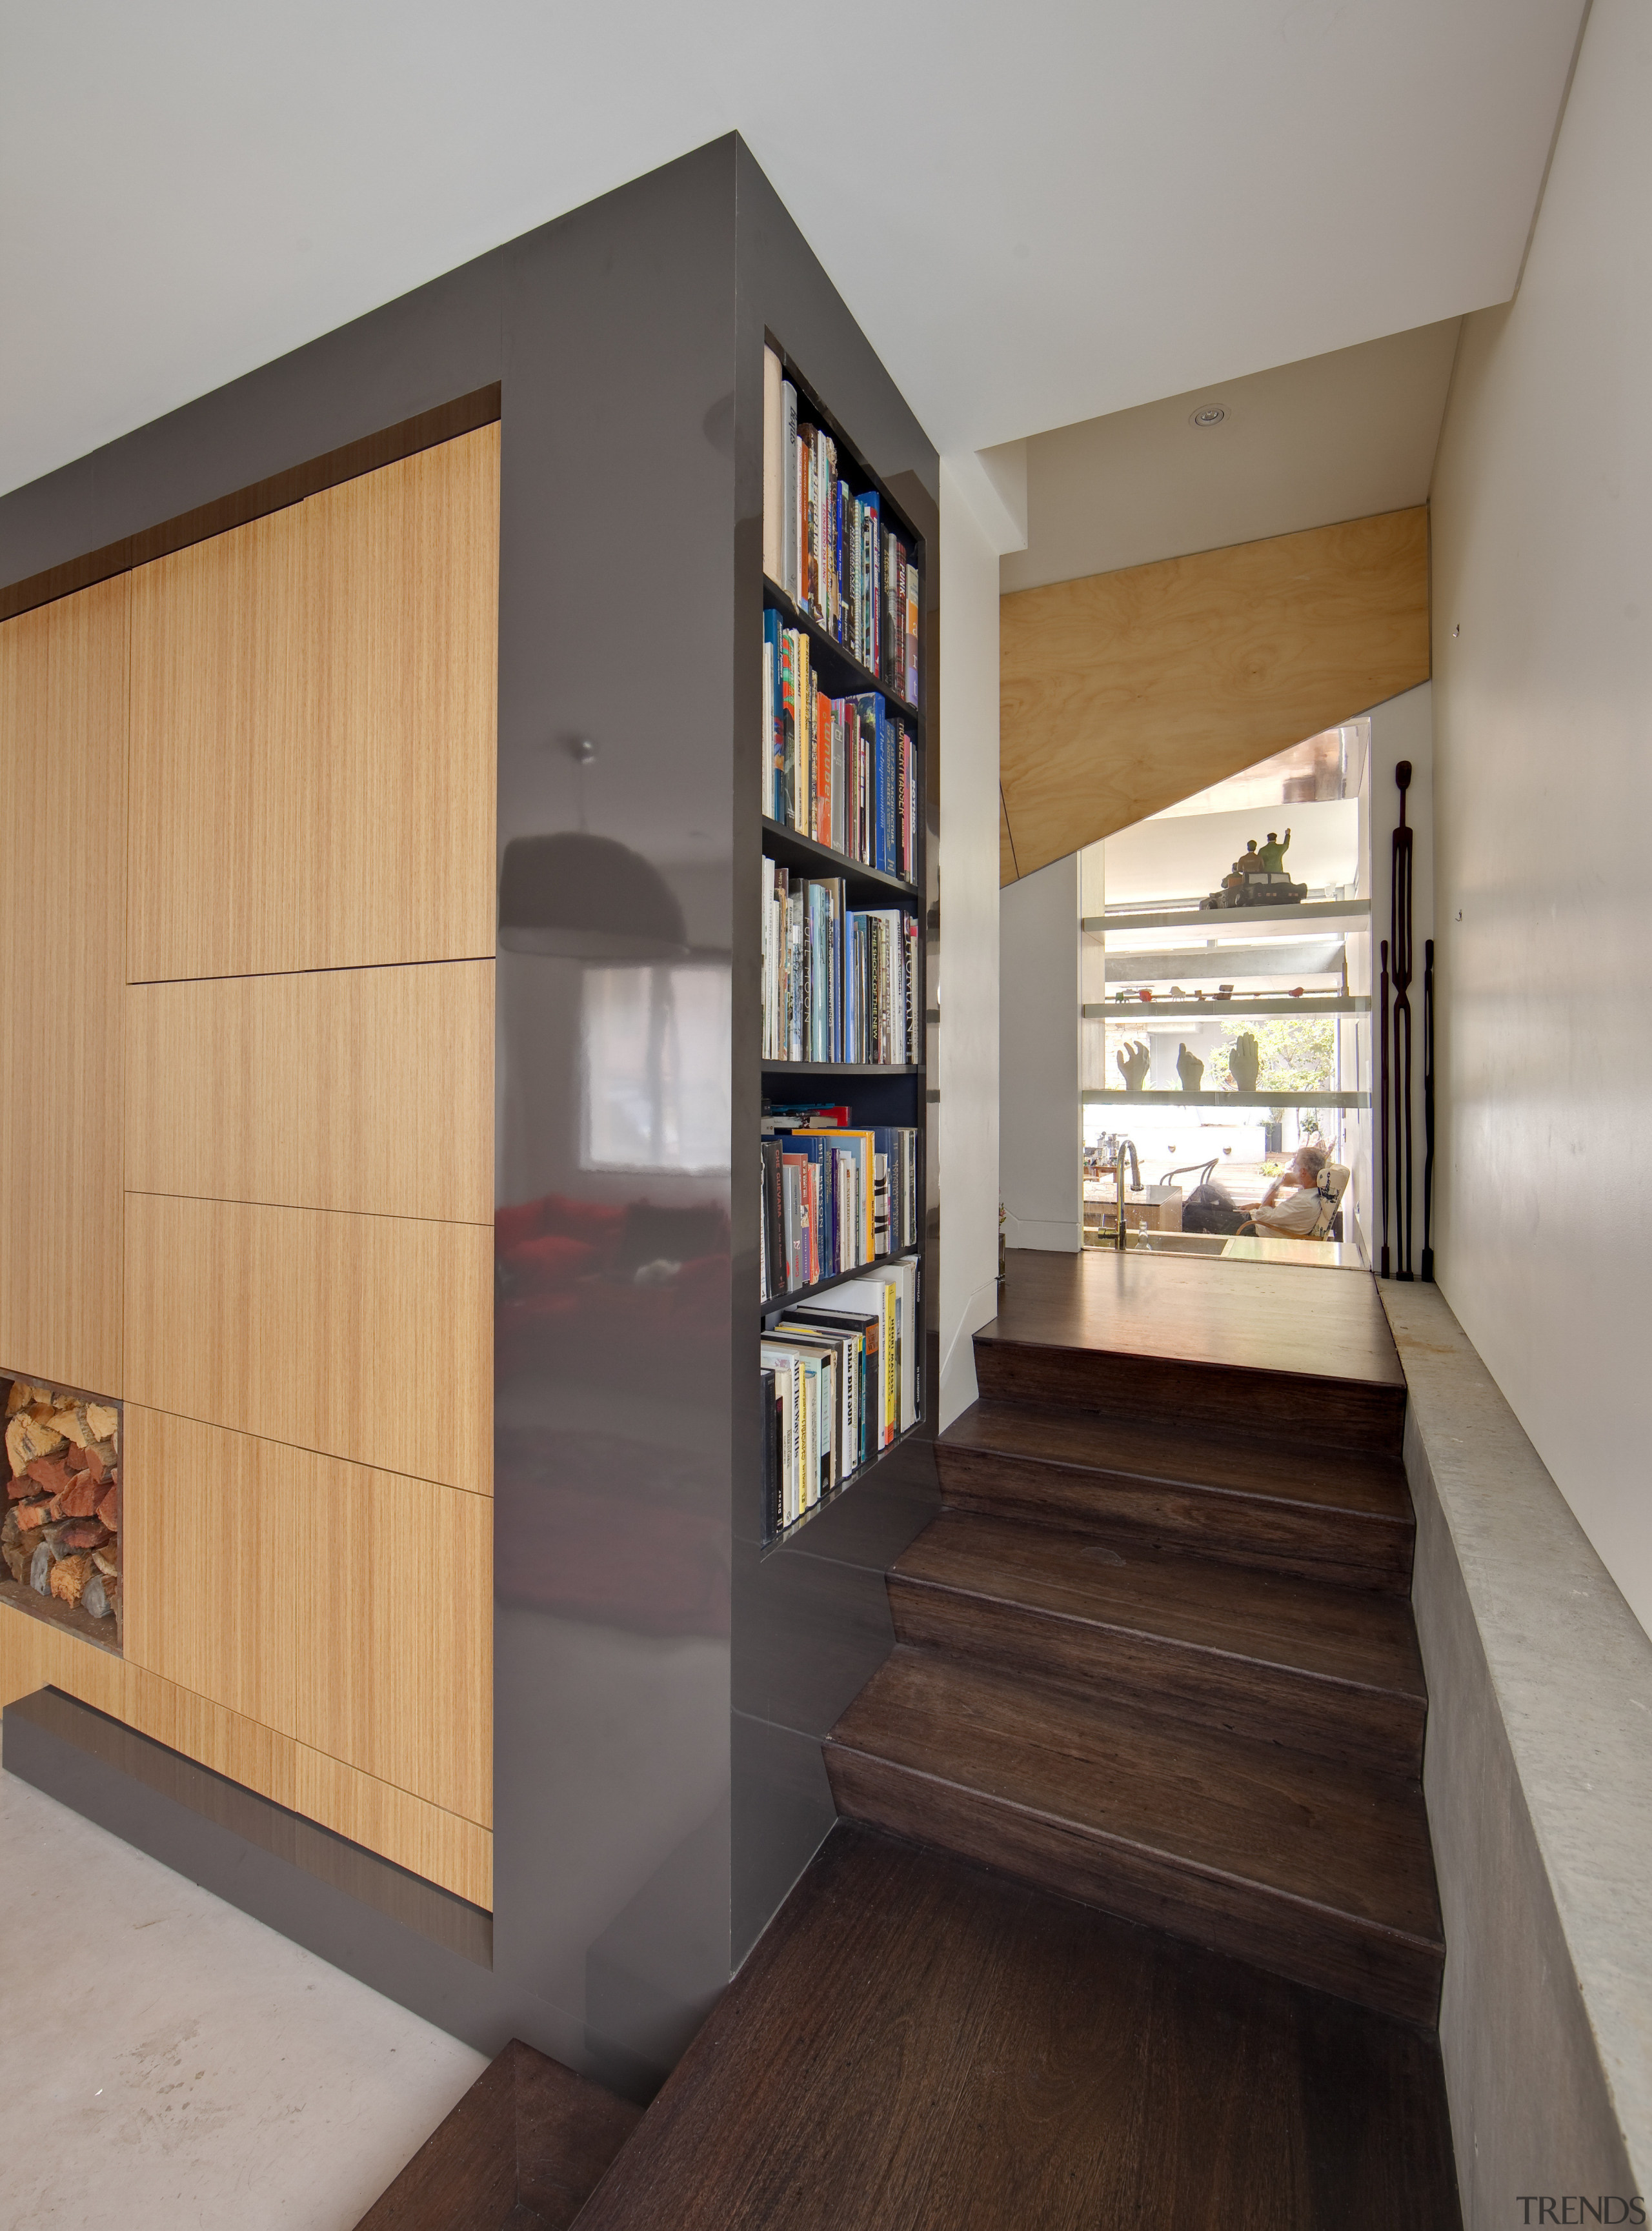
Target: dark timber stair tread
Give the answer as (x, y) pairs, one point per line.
(1334, 1633)
(919, 2045)
(1332, 1480)
(1342, 1839)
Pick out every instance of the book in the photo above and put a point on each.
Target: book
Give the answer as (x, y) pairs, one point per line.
(774, 462)
(891, 1289)
(770, 1456)
(826, 545)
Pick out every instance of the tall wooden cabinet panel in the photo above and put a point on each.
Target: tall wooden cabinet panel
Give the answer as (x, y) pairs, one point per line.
(349, 1609)
(367, 1337)
(62, 799)
(369, 1089)
(313, 730)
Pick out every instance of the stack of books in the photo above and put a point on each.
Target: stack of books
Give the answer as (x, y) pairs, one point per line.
(841, 770)
(828, 547)
(836, 1196)
(840, 1383)
(839, 983)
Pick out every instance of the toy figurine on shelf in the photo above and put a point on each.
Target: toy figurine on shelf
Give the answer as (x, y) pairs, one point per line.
(1259, 877)
(1134, 1061)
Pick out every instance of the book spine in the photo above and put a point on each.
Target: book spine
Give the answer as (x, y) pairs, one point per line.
(771, 1416)
(774, 458)
(912, 632)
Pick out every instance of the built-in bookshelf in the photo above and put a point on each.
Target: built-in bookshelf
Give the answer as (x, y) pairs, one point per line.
(845, 1027)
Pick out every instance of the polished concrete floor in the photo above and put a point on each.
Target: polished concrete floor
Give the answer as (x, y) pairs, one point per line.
(167, 2063)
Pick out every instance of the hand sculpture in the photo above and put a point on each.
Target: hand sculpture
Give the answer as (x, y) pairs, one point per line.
(1134, 1062)
(1189, 1068)
(1244, 1061)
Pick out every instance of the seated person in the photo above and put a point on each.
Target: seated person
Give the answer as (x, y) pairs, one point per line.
(1290, 1207)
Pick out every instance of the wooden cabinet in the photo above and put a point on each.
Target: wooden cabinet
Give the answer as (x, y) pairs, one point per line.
(349, 1609)
(246, 1135)
(363, 1089)
(313, 730)
(367, 1337)
(62, 798)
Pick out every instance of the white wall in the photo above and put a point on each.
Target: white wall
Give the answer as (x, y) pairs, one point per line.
(1543, 791)
(1040, 1139)
(968, 939)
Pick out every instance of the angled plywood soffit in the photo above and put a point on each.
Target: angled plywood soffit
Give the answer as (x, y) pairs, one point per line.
(1124, 692)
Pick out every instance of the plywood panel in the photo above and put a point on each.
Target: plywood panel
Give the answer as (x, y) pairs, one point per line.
(348, 1609)
(1123, 692)
(369, 1089)
(62, 790)
(367, 1337)
(313, 703)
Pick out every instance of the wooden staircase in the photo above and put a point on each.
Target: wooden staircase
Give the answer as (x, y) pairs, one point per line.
(1156, 1654)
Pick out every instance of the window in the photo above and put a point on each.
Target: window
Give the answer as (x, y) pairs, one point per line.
(655, 1049)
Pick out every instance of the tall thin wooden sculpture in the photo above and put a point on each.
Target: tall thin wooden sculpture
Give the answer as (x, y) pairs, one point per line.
(1400, 969)
(1428, 1110)
(1382, 1108)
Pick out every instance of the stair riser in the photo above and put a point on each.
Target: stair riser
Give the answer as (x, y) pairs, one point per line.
(1314, 1413)
(1373, 1967)
(1352, 1550)
(1331, 1719)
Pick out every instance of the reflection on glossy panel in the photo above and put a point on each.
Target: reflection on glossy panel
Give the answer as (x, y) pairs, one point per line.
(612, 1263)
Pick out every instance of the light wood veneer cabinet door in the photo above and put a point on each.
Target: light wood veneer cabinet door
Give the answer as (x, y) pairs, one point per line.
(349, 1609)
(367, 1090)
(367, 1337)
(63, 795)
(313, 727)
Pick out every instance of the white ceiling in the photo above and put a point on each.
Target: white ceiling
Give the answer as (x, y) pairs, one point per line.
(1065, 207)
(1340, 436)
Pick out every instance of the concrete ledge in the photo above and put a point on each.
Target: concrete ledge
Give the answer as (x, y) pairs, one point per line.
(1539, 1777)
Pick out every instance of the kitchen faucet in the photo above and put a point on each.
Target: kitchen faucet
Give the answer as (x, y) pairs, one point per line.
(1125, 1146)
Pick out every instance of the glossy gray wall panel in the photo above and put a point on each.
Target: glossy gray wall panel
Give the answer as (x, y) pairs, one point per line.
(611, 1390)
(783, 1813)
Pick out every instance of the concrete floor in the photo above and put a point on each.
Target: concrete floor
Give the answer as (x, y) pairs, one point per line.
(166, 2062)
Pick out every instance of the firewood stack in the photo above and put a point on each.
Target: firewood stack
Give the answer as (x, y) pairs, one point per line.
(61, 1533)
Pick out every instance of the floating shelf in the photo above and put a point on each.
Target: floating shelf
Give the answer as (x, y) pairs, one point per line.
(1265, 1003)
(855, 1479)
(779, 1308)
(857, 677)
(791, 850)
(840, 1069)
(1231, 921)
(1116, 1097)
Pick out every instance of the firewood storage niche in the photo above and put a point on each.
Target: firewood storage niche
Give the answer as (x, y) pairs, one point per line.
(60, 1538)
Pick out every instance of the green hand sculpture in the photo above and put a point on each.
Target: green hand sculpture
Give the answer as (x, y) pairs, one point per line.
(1189, 1069)
(1134, 1062)
(1244, 1061)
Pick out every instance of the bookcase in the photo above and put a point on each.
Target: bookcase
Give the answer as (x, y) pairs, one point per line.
(664, 1664)
(842, 790)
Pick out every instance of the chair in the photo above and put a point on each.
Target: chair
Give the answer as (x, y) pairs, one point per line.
(1332, 1184)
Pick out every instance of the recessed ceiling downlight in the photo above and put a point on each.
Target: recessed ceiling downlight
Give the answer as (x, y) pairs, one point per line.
(1212, 414)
